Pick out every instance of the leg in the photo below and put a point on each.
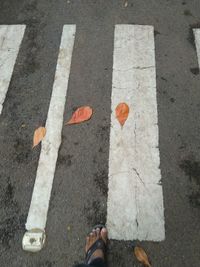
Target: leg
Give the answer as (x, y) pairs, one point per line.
(95, 263)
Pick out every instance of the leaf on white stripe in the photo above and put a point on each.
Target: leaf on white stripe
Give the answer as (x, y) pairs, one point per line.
(122, 111)
(39, 134)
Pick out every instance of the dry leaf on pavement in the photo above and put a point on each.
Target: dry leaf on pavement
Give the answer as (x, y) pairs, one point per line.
(122, 111)
(142, 256)
(80, 115)
(39, 134)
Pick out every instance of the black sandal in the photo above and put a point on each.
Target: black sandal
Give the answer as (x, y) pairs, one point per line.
(99, 244)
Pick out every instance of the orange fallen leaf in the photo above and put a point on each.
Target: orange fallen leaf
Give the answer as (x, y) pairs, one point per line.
(122, 111)
(39, 134)
(142, 256)
(80, 115)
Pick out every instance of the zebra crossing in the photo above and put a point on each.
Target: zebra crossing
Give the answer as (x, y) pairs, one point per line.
(37, 215)
(135, 198)
(10, 40)
(197, 42)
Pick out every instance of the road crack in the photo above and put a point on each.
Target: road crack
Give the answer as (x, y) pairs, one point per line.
(134, 68)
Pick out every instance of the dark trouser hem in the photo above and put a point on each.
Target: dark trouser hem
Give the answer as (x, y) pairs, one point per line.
(95, 263)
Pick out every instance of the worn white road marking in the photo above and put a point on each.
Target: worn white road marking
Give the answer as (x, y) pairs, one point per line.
(37, 215)
(197, 42)
(10, 40)
(135, 197)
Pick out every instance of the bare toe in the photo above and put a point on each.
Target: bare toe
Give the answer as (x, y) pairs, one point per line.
(104, 234)
(98, 233)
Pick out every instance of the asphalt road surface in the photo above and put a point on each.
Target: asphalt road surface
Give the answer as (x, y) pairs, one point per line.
(80, 186)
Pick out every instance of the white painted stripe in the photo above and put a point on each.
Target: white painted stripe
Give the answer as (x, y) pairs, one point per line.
(197, 42)
(45, 173)
(10, 40)
(135, 197)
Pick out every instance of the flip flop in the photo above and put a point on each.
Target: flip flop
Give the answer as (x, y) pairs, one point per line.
(98, 244)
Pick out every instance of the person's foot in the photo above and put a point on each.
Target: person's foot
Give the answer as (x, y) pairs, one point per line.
(95, 235)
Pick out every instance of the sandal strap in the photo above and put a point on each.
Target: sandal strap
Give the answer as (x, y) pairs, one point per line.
(99, 244)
